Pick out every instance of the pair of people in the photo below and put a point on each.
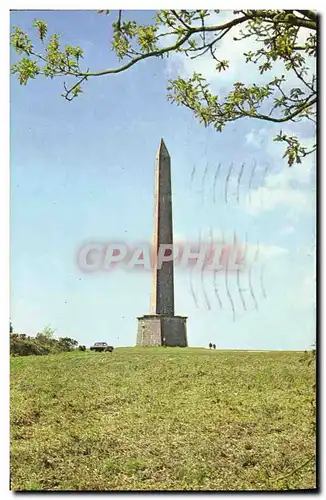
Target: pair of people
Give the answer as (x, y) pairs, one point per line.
(210, 345)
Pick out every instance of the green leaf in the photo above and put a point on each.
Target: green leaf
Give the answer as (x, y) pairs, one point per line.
(42, 29)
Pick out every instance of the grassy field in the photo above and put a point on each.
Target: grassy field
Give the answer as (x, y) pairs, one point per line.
(162, 419)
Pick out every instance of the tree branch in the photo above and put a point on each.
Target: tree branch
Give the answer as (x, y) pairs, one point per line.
(280, 120)
(174, 12)
(309, 13)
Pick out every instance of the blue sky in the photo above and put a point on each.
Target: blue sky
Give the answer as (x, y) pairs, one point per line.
(84, 170)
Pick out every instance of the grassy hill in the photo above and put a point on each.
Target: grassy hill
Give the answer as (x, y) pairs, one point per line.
(162, 419)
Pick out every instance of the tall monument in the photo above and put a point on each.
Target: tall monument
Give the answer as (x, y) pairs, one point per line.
(161, 326)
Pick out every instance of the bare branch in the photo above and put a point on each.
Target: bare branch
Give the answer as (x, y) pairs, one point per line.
(174, 12)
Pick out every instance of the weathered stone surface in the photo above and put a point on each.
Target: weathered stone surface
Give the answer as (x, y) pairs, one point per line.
(174, 331)
(162, 327)
(162, 298)
(149, 331)
(155, 330)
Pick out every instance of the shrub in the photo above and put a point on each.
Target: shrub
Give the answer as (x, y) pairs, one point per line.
(44, 343)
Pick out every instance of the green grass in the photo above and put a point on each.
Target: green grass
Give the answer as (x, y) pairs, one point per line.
(162, 419)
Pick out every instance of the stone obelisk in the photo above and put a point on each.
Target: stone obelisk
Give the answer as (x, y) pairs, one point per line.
(162, 327)
(162, 296)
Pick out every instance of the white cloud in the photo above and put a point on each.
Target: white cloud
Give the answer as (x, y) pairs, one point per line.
(300, 174)
(269, 252)
(291, 187)
(287, 230)
(266, 199)
(233, 51)
(256, 138)
(264, 253)
(262, 138)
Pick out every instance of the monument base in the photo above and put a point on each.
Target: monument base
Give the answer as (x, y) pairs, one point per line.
(161, 330)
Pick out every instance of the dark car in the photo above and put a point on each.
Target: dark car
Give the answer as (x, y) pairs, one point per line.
(101, 346)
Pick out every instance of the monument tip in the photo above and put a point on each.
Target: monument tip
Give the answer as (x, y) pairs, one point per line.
(162, 149)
